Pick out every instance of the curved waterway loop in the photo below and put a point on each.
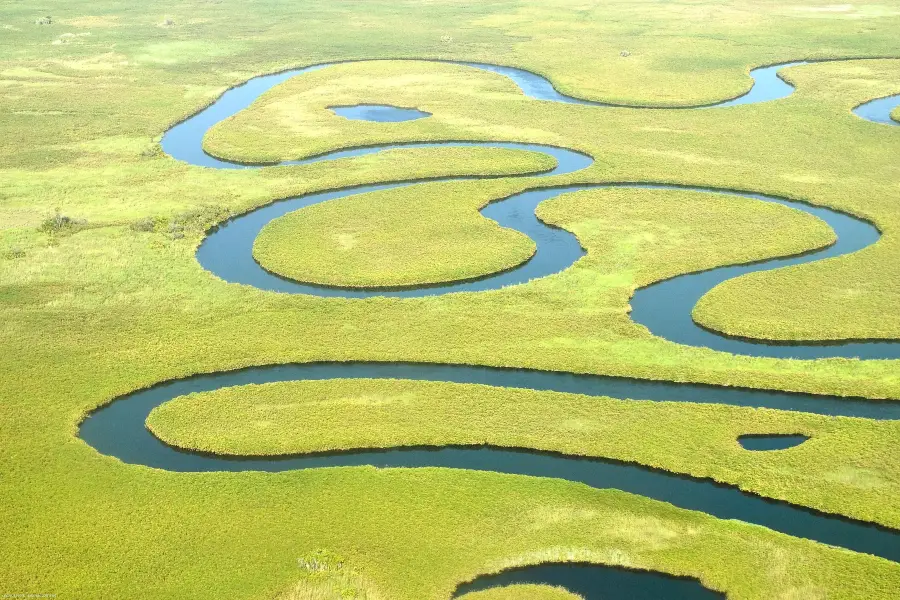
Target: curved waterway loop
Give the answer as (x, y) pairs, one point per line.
(118, 429)
(664, 307)
(879, 110)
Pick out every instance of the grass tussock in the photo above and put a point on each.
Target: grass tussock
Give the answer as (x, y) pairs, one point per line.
(326, 576)
(192, 221)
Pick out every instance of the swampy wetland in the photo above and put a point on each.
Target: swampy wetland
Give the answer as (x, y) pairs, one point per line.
(433, 300)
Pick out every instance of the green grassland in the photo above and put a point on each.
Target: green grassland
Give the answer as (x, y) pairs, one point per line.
(417, 235)
(113, 299)
(324, 575)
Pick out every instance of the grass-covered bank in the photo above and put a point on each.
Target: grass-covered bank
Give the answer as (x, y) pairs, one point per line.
(523, 592)
(411, 236)
(847, 467)
(838, 295)
(113, 299)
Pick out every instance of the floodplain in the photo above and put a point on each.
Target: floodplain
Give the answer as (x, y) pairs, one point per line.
(112, 290)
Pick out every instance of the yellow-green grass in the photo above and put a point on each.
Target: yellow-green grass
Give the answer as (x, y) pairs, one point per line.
(293, 119)
(666, 223)
(415, 235)
(326, 576)
(90, 314)
(413, 533)
(743, 148)
(523, 592)
(847, 467)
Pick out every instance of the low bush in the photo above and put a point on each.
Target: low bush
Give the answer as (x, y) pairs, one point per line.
(145, 224)
(58, 223)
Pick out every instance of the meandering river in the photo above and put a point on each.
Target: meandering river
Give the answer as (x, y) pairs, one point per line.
(118, 429)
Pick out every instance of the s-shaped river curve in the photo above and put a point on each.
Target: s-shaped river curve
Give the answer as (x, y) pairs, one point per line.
(117, 429)
(664, 307)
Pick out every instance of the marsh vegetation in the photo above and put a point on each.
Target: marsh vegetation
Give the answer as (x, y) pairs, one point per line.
(101, 294)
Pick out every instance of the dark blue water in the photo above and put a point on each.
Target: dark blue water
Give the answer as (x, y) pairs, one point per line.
(775, 441)
(597, 582)
(380, 113)
(118, 428)
(879, 111)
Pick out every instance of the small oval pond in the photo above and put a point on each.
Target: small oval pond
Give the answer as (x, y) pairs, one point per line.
(381, 113)
(597, 582)
(771, 441)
